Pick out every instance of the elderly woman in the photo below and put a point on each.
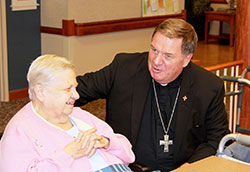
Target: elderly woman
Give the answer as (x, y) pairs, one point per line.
(49, 134)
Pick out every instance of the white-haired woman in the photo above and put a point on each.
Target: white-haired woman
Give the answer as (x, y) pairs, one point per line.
(49, 134)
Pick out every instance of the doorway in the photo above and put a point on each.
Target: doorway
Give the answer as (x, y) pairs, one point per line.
(4, 88)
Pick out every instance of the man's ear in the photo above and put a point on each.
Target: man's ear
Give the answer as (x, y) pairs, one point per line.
(187, 59)
(39, 92)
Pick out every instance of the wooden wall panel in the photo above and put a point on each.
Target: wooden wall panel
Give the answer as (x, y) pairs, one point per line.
(18, 94)
(242, 51)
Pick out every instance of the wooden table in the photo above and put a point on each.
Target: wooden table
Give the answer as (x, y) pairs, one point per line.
(213, 164)
(228, 17)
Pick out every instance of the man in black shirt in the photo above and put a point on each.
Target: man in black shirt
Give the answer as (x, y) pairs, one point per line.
(170, 109)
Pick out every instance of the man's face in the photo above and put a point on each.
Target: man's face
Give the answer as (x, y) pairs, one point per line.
(166, 61)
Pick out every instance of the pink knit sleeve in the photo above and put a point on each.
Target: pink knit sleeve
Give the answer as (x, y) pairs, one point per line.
(18, 153)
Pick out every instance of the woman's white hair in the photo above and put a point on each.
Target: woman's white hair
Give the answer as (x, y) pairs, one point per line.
(42, 70)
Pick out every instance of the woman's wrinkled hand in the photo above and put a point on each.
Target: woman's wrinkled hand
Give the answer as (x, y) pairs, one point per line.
(86, 144)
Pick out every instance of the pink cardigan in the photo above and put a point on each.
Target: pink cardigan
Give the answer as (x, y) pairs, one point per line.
(31, 144)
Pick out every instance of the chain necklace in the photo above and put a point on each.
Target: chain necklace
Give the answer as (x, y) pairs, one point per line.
(166, 142)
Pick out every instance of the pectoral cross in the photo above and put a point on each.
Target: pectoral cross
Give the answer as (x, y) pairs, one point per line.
(166, 142)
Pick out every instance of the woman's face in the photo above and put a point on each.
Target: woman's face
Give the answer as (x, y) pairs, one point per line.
(60, 95)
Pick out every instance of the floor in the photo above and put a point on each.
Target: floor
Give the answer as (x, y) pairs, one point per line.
(209, 54)
(214, 52)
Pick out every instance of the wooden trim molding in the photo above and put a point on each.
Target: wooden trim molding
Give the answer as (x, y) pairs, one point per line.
(18, 94)
(224, 65)
(219, 1)
(70, 28)
(51, 30)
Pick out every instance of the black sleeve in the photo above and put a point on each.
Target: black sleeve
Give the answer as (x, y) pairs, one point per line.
(95, 85)
(216, 127)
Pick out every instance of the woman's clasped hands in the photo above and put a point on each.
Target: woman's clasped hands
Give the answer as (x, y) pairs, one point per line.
(86, 144)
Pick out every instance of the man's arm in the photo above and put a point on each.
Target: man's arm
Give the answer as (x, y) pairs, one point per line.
(216, 125)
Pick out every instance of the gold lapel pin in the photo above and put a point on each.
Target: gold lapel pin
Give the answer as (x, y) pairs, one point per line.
(184, 98)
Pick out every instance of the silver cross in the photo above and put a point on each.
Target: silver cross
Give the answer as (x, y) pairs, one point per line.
(166, 142)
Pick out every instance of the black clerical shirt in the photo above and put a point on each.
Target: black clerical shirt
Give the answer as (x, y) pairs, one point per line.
(148, 150)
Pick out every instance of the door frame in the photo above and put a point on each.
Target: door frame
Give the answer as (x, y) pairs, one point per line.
(4, 86)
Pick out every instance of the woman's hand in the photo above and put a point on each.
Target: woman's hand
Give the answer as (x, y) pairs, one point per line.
(92, 141)
(86, 144)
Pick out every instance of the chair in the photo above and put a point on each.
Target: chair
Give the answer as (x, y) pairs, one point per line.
(228, 17)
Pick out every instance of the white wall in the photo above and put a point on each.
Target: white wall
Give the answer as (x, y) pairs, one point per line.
(92, 52)
(53, 11)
